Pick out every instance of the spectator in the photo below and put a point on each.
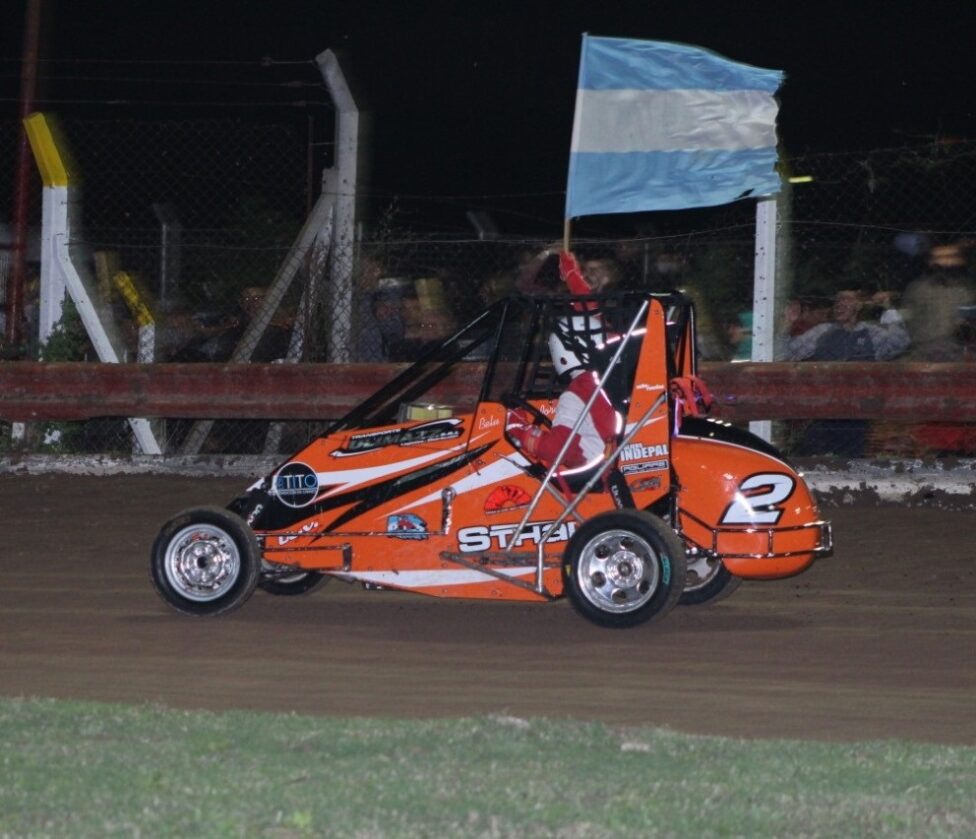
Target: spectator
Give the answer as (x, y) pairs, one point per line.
(806, 311)
(177, 333)
(844, 338)
(272, 344)
(669, 270)
(739, 333)
(633, 259)
(602, 274)
(529, 275)
(429, 319)
(935, 306)
(186, 335)
(383, 325)
(711, 342)
(496, 286)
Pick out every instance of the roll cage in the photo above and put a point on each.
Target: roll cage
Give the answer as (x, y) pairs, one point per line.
(503, 353)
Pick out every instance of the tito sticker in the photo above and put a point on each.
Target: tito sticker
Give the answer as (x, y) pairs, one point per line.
(296, 484)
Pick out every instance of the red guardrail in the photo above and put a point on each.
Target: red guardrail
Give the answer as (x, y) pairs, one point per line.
(912, 392)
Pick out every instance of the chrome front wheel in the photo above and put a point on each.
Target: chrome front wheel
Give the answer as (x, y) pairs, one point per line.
(205, 561)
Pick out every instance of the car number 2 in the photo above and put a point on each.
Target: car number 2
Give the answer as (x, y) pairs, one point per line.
(757, 499)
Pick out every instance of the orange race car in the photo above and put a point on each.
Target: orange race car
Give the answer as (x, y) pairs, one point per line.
(435, 484)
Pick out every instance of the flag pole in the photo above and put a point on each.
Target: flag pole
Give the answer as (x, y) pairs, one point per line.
(566, 226)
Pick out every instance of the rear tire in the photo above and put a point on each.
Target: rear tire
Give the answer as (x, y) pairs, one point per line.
(205, 561)
(291, 585)
(623, 568)
(707, 581)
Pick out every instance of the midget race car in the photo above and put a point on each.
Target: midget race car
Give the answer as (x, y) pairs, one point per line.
(421, 489)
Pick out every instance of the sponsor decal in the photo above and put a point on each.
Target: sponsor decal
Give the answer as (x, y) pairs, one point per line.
(638, 451)
(484, 423)
(406, 526)
(649, 466)
(499, 536)
(296, 484)
(645, 484)
(506, 497)
(305, 528)
(426, 432)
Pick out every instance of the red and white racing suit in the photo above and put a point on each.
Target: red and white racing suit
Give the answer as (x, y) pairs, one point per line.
(588, 444)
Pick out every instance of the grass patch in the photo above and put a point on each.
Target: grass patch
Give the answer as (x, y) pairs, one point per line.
(87, 769)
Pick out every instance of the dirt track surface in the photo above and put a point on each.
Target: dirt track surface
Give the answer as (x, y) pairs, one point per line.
(878, 641)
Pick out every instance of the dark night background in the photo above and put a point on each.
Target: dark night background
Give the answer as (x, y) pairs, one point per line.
(475, 102)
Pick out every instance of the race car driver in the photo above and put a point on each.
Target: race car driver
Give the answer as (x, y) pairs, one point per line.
(570, 346)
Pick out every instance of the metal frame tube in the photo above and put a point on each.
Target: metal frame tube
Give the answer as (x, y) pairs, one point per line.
(579, 423)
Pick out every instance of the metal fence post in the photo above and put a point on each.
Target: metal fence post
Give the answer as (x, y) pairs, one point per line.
(764, 295)
(345, 180)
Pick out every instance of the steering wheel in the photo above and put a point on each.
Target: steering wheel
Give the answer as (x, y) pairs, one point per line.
(513, 400)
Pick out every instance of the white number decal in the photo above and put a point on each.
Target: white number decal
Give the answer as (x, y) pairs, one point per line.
(756, 500)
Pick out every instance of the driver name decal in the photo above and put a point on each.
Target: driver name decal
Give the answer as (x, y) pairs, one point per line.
(428, 432)
(499, 536)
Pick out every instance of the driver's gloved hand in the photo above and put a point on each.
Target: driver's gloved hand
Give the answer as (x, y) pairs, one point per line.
(521, 431)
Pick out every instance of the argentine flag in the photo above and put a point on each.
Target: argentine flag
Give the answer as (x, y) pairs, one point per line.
(662, 126)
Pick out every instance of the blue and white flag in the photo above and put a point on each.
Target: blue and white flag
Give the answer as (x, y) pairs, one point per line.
(662, 126)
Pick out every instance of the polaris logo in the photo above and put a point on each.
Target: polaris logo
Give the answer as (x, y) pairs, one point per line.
(646, 466)
(638, 451)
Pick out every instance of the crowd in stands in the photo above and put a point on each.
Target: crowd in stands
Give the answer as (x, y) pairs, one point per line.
(928, 317)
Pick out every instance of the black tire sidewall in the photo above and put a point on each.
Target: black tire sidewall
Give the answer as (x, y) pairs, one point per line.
(668, 553)
(247, 546)
(716, 589)
(307, 583)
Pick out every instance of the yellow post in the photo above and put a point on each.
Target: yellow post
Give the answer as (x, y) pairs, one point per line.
(48, 152)
(133, 299)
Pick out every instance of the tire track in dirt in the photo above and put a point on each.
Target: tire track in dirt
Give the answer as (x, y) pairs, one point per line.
(874, 642)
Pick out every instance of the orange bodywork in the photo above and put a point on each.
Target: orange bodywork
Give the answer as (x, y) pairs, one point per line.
(448, 537)
(444, 504)
(748, 507)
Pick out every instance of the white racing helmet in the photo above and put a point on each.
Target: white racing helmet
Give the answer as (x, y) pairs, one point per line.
(572, 341)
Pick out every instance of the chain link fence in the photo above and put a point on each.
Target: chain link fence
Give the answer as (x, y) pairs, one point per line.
(199, 220)
(885, 237)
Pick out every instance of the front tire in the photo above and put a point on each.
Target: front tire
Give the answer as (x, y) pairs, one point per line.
(205, 561)
(623, 568)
